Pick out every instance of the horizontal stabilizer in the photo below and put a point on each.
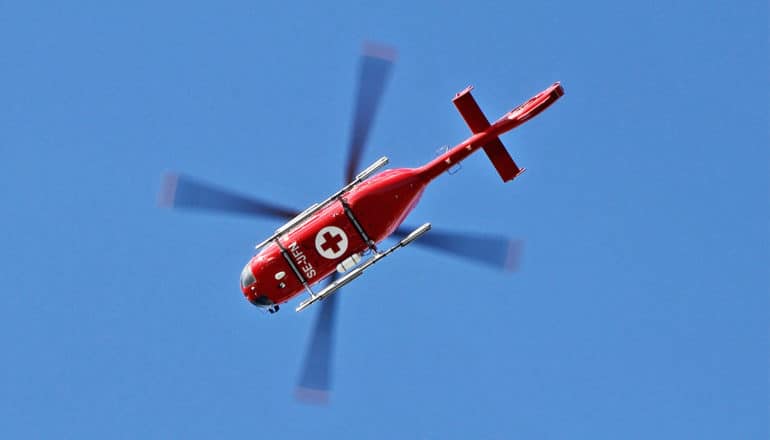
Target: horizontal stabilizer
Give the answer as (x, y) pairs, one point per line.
(470, 111)
(502, 160)
(477, 122)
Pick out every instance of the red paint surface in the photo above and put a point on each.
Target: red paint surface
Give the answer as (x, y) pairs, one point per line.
(380, 203)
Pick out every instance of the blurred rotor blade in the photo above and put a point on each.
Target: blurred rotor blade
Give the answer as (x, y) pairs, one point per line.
(179, 191)
(315, 381)
(376, 63)
(498, 252)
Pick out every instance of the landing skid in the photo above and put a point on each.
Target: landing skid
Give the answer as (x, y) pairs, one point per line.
(353, 274)
(304, 215)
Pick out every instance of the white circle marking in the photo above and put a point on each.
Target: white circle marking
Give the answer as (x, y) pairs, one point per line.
(331, 242)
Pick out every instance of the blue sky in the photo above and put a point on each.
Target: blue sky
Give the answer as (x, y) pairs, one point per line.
(641, 306)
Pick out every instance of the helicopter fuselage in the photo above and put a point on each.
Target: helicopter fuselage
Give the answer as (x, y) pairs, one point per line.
(330, 237)
(335, 235)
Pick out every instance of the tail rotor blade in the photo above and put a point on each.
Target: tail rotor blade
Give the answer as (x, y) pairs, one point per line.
(180, 191)
(315, 380)
(494, 251)
(375, 67)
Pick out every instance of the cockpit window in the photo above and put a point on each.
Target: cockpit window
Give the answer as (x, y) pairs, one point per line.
(247, 278)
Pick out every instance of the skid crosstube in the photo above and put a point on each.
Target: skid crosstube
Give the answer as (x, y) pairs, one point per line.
(306, 214)
(355, 273)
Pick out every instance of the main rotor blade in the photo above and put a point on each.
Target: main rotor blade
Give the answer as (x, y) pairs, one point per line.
(179, 191)
(374, 70)
(315, 381)
(495, 251)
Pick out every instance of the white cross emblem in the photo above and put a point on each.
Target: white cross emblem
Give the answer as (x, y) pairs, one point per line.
(331, 242)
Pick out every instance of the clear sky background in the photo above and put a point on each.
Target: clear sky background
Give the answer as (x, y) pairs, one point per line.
(641, 307)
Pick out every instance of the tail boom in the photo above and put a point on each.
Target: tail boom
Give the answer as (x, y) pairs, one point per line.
(486, 136)
(528, 110)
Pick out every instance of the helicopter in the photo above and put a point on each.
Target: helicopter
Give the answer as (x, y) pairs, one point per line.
(334, 241)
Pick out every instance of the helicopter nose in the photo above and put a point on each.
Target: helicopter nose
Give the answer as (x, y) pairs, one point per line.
(250, 286)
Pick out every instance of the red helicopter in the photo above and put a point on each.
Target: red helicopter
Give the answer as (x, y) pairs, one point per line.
(338, 239)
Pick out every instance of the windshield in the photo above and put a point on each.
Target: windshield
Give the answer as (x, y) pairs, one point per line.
(247, 278)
